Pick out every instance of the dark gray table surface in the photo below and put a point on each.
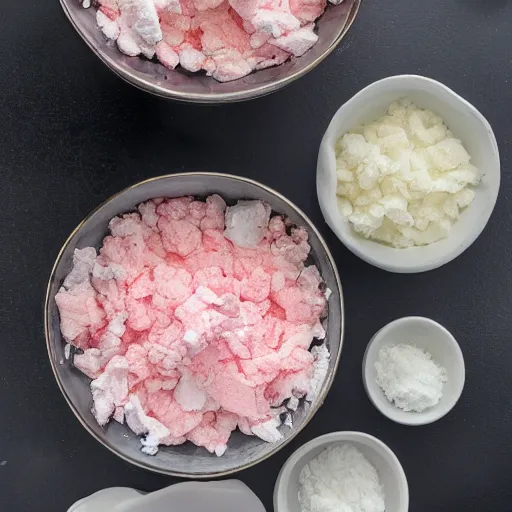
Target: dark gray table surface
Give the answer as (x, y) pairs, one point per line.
(72, 134)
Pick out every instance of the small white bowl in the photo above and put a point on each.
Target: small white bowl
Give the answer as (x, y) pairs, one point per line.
(466, 123)
(435, 339)
(391, 473)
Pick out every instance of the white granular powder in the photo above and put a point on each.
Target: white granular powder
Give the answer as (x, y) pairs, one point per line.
(340, 479)
(409, 377)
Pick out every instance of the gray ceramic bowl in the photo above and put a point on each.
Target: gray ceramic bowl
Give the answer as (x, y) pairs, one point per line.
(186, 460)
(152, 77)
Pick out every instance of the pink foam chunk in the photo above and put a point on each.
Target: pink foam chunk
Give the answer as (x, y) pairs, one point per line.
(175, 208)
(214, 215)
(233, 392)
(166, 55)
(143, 286)
(214, 431)
(307, 10)
(179, 236)
(80, 313)
(172, 283)
(256, 288)
(195, 318)
(169, 413)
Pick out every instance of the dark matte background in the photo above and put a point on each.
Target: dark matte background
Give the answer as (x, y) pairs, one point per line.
(72, 134)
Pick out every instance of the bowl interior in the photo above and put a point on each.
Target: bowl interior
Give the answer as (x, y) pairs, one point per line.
(187, 459)
(463, 120)
(390, 471)
(435, 339)
(153, 77)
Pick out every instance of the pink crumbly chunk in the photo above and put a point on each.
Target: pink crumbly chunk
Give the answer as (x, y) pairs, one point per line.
(195, 319)
(166, 55)
(226, 38)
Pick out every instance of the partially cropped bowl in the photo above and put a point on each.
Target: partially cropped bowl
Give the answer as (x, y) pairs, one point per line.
(186, 460)
(389, 469)
(466, 124)
(152, 77)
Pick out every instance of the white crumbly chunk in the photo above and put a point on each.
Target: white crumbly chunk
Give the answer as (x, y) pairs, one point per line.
(220, 450)
(111, 271)
(297, 42)
(67, 351)
(340, 479)
(127, 44)
(136, 30)
(320, 369)
(109, 27)
(293, 403)
(403, 179)
(116, 325)
(110, 389)
(190, 338)
(142, 17)
(274, 23)
(188, 395)
(141, 424)
(83, 263)
(246, 222)
(149, 445)
(268, 431)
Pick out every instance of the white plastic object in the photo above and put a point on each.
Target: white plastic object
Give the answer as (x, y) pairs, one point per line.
(184, 497)
(391, 473)
(466, 123)
(431, 337)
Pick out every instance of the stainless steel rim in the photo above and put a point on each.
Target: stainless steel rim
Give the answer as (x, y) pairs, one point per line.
(77, 413)
(230, 97)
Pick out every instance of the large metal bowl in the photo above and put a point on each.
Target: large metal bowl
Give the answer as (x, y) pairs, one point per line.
(186, 460)
(153, 77)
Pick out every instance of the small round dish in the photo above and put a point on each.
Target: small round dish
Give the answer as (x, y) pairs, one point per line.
(427, 335)
(391, 473)
(467, 124)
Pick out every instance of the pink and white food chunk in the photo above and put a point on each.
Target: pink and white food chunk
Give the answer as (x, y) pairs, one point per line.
(226, 38)
(194, 319)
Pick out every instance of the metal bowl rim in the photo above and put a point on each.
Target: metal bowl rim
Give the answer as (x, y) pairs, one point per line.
(312, 411)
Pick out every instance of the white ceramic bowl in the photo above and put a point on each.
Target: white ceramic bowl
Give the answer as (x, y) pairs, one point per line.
(466, 123)
(391, 473)
(435, 339)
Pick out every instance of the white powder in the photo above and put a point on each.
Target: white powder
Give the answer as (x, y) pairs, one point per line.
(340, 479)
(409, 377)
